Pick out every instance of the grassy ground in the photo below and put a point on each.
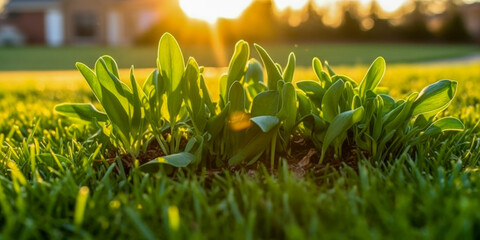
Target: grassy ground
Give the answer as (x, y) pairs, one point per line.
(433, 195)
(38, 58)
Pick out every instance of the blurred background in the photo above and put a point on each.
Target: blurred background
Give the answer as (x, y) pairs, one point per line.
(54, 34)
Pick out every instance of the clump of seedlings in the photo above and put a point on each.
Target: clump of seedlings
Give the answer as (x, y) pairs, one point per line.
(254, 120)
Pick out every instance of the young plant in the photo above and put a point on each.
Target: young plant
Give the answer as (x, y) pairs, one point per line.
(123, 106)
(336, 107)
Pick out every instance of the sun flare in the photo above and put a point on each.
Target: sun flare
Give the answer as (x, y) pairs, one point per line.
(212, 10)
(390, 5)
(289, 4)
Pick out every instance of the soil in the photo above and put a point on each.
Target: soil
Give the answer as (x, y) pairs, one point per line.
(302, 161)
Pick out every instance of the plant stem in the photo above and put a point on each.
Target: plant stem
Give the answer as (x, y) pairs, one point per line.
(272, 149)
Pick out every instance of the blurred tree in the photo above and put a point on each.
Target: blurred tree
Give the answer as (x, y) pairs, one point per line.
(453, 30)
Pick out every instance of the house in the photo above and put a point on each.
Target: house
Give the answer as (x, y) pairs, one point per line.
(78, 22)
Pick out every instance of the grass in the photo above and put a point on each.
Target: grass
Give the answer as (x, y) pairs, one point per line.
(64, 58)
(433, 195)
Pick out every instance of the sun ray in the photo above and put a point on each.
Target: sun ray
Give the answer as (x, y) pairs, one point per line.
(212, 10)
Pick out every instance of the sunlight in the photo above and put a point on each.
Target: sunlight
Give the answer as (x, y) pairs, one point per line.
(212, 10)
(391, 6)
(289, 4)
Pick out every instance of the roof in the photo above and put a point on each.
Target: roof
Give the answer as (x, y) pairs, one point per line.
(30, 5)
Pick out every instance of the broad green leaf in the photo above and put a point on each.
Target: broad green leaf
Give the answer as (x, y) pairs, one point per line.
(223, 89)
(174, 104)
(191, 83)
(273, 73)
(254, 73)
(110, 83)
(266, 103)
(266, 123)
(331, 100)
(206, 95)
(91, 79)
(279, 67)
(330, 70)
(340, 124)
(401, 118)
(373, 77)
(171, 61)
(237, 97)
(254, 89)
(388, 103)
(421, 122)
(288, 112)
(83, 111)
(434, 98)
(345, 79)
(290, 69)
(304, 104)
(217, 122)
(148, 86)
(192, 94)
(138, 107)
(115, 112)
(313, 90)
(111, 65)
(317, 68)
(252, 148)
(238, 63)
(326, 80)
(444, 124)
(177, 160)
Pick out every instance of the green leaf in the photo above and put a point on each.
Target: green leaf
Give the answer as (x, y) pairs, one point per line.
(402, 118)
(138, 107)
(83, 111)
(331, 100)
(266, 103)
(444, 124)
(290, 69)
(434, 98)
(170, 60)
(274, 75)
(340, 124)
(192, 95)
(388, 103)
(345, 79)
(317, 68)
(373, 77)
(177, 160)
(110, 83)
(217, 122)
(304, 104)
(266, 123)
(288, 111)
(330, 70)
(237, 97)
(252, 148)
(238, 63)
(192, 90)
(206, 95)
(91, 79)
(313, 90)
(111, 65)
(148, 86)
(223, 89)
(254, 73)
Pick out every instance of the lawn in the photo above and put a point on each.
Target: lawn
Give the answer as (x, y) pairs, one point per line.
(431, 195)
(64, 58)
